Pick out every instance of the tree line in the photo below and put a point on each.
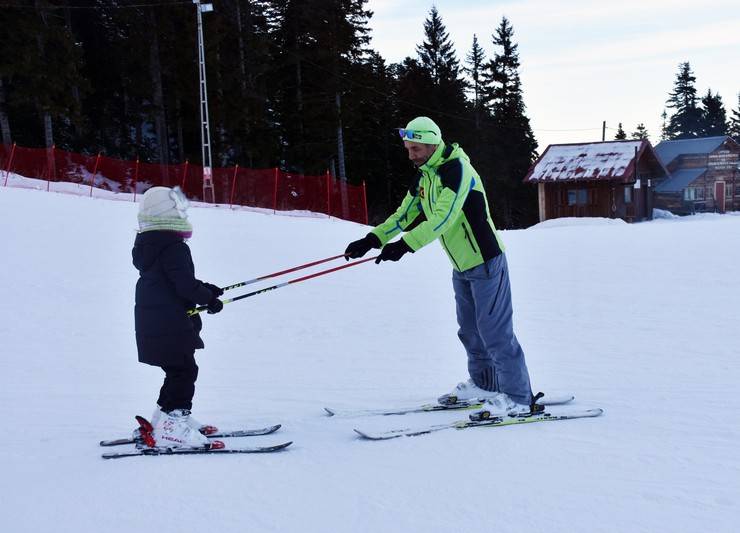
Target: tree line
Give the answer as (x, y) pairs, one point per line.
(692, 116)
(291, 83)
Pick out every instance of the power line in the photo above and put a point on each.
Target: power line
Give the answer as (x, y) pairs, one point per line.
(127, 6)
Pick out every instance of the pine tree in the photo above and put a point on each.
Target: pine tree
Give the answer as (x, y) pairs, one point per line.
(510, 136)
(714, 117)
(475, 61)
(640, 132)
(319, 43)
(40, 66)
(735, 121)
(621, 135)
(664, 135)
(439, 64)
(685, 123)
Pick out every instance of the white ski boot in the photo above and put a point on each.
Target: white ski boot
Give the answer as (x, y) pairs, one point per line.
(173, 431)
(201, 428)
(502, 405)
(466, 391)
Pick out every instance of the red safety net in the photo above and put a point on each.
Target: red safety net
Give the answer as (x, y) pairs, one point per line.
(261, 188)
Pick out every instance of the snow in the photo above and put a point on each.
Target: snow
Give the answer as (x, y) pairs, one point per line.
(584, 161)
(627, 317)
(579, 221)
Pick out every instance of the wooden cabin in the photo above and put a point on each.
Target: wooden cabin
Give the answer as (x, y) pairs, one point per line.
(613, 179)
(704, 175)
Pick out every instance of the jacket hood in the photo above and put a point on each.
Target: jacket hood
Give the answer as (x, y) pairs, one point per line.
(149, 245)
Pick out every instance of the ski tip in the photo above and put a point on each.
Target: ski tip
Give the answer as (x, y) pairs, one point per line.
(329, 412)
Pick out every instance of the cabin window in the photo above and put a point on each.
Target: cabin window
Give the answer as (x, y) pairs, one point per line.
(578, 197)
(693, 193)
(728, 190)
(628, 195)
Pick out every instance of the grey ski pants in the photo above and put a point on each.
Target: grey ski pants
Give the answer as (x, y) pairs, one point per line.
(485, 316)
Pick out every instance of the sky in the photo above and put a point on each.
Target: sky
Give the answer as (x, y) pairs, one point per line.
(585, 62)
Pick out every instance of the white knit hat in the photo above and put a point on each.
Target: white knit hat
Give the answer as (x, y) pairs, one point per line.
(162, 208)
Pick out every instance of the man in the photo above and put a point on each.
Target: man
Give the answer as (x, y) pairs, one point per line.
(446, 201)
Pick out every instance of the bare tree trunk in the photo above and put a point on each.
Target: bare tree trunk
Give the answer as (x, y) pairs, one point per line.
(4, 122)
(180, 141)
(160, 119)
(242, 48)
(299, 99)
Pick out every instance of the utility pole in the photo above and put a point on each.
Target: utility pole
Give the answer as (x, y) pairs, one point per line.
(205, 130)
(603, 131)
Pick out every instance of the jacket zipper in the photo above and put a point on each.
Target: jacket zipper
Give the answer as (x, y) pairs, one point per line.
(450, 253)
(467, 236)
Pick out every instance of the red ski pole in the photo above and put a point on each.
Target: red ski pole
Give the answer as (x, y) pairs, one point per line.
(198, 309)
(276, 274)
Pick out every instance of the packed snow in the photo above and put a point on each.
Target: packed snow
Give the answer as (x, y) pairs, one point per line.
(639, 319)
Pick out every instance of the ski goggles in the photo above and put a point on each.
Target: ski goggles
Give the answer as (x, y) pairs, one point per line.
(419, 136)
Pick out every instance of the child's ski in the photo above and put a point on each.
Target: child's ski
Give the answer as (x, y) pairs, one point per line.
(219, 435)
(190, 451)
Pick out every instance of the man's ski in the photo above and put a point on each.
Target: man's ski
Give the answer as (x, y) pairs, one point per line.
(175, 451)
(219, 435)
(433, 407)
(490, 422)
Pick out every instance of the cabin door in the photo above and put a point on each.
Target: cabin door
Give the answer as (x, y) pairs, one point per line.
(719, 196)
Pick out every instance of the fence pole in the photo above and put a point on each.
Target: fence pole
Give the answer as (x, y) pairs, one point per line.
(49, 159)
(328, 194)
(185, 175)
(136, 176)
(95, 173)
(274, 194)
(364, 201)
(233, 187)
(10, 162)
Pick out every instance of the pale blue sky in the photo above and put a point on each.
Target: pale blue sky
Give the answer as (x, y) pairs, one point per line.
(585, 61)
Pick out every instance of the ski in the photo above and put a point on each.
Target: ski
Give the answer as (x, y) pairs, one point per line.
(219, 435)
(175, 451)
(433, 407)
(491, 422)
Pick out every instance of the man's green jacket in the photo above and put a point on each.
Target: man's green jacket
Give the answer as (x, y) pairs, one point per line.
(446, 201)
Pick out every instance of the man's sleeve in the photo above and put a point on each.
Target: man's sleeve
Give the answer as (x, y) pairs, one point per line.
(456, 183)
(400, 220)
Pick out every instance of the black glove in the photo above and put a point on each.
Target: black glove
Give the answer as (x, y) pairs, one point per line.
(357, 249)
(393, 251)
(217, 291)
(214, 306)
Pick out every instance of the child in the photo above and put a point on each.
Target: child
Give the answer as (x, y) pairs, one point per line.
(165, 335)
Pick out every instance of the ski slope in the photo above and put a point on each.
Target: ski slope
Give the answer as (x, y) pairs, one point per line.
(640, 319)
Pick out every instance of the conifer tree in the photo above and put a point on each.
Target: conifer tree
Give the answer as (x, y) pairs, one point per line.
(713, 116)
(621, 135)
(640, 132)
(474, 69)
(735, 121)
(685, 123)
(514, 143)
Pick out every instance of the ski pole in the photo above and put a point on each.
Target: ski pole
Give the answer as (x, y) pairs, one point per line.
(276, 274)
(200, 308)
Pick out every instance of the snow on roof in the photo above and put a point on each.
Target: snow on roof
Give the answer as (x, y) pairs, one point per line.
(667, 151)
(590, 161)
